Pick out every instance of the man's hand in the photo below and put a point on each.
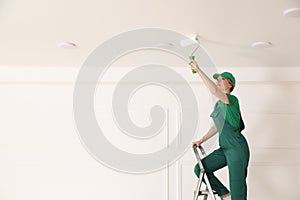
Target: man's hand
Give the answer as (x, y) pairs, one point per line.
(194, 65)
(198, 143)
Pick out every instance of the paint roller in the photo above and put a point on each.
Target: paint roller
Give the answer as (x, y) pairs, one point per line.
(194, 39)
(188, 42)
(192, 57)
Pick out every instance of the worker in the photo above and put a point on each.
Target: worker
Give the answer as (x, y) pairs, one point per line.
(234, 150)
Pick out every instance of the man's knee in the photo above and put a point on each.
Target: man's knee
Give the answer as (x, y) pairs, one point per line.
(206, 166)
(197, 170)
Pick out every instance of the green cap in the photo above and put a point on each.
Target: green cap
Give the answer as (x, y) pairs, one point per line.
(225, 75)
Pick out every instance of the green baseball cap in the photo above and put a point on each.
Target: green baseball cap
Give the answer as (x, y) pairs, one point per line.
(225, 75)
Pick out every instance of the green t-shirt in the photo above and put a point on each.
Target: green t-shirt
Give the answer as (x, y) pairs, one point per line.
(231, 111)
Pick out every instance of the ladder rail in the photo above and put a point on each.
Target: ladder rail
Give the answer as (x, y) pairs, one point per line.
(202, 175)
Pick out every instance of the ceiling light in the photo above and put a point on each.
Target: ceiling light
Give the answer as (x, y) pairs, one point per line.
(261, 44)
(292, 12)
(67, 45)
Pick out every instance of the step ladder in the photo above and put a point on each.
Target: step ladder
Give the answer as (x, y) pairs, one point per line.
(202, 176)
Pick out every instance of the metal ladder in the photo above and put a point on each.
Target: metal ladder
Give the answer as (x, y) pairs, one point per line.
(202, 176)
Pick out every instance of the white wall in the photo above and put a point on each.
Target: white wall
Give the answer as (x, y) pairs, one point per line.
(42, 157)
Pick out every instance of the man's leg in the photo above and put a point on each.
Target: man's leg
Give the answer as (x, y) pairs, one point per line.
(237, 165)
(237, 176)
(214, 161)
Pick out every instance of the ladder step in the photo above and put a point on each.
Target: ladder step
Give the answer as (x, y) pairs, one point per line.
(205, 192)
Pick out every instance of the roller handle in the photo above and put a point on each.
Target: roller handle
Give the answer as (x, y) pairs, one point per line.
(191, 58)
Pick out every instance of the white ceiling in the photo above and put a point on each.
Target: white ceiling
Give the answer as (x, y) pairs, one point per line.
(30, 29)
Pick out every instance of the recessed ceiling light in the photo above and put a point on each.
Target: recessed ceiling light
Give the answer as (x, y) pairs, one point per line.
(261, 44)
(292, 12)
(67, 45)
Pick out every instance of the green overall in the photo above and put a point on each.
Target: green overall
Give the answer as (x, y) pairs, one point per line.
(233, 151)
